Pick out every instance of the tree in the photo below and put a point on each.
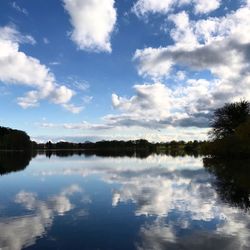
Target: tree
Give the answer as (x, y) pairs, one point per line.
(13, 139)
(228, 118)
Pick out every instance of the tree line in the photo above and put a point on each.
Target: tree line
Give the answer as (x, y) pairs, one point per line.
(230, 133)
(13, 139)
(119, 147)
(229, 137)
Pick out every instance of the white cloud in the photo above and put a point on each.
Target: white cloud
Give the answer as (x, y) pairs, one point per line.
(72, 108)
(93, 22)
(151, 62)
(206, 6)
(18, 68)
(10, 33)
(158, 106)
(183, 35)
(145, 7)
(219, 45)
(150, 65)
(142, 7)
(152, 100)
(155, 112)
(81, 126)
(221, 36)
(19, 9)
(154, 106)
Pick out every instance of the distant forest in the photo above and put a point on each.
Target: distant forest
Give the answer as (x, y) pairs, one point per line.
(130, 147)
(12, 139)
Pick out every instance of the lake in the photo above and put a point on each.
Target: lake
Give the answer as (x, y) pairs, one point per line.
(98, 202)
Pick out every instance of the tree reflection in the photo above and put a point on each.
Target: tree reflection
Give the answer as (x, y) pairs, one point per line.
(142, 154)
(232, 180)
(102, 153)
(13, 161)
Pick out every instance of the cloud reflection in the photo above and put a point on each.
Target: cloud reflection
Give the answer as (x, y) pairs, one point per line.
(177, 194)
(19, 232)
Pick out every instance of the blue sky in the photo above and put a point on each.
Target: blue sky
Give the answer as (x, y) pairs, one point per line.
(105, 69)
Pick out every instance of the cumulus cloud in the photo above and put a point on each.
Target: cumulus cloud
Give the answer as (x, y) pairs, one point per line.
(205, 44)
(149, 63)
(142, 7)
(219, 45)
(145, 7)
(158, 106)
(206, 6)
(18, 68)
(154, 106)
(148, 98)
(93, 22)
(215, 44)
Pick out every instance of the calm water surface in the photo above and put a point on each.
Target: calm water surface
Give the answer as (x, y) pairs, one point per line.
(91, 202)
